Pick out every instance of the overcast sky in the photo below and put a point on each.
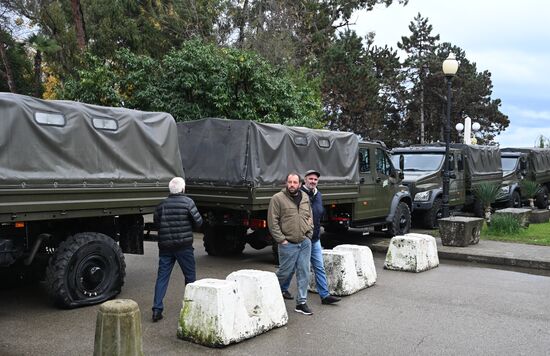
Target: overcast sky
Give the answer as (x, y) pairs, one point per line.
(509, 39)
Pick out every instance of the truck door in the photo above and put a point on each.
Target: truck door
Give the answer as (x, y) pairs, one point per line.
(385, 185)
(457, 190)
(365, 206)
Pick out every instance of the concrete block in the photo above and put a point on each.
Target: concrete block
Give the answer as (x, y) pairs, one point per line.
(262, 298)
(364, 262)
(460, 230)
(520, 214)
(219, 312)
(118, 329)
(412, 252)
(539, 216)
(214, 314)
(341, 274)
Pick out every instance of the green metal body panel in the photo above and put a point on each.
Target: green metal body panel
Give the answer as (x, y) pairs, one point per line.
(66, 203)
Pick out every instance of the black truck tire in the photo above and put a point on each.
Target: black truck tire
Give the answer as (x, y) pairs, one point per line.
(431, 216)
(401, 222)
(224, 240)
(87, 268)
(515, 200)
(541, 199)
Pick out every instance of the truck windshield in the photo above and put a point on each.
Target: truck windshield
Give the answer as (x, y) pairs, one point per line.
(419, 161)
(509, 163)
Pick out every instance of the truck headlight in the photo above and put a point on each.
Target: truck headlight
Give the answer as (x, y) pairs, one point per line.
(505, 190)
(422, 196)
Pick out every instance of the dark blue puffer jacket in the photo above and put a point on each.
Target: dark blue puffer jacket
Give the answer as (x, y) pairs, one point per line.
(175, 217)
(317, 209)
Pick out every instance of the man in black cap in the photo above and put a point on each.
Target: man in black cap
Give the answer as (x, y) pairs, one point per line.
(311, 178)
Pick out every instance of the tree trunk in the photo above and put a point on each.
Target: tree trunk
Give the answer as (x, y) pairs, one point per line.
(242, 22)
(79, 24)
(38, 74)
(488, 215)
(7, 67)
(532, 203)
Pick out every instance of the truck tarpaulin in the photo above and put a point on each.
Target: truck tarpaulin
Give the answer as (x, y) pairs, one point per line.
(247, 153)
(63, 143)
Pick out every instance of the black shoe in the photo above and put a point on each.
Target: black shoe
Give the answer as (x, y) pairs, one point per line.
(157, 315)
(287, 295)
(303, 308)
(330, 299)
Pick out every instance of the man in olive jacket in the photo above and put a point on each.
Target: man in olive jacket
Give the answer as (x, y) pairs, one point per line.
(291, 225)
(175, 217)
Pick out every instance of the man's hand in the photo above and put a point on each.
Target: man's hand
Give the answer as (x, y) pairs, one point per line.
(284, 242)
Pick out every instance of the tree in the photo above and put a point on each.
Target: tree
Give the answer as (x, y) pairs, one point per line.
(41, 44)
(199, 80)
(419, 47)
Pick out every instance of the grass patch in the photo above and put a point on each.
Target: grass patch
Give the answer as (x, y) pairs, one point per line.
(535, 234)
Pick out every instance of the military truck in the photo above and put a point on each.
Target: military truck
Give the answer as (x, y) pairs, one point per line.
(234, 167)
(469, 166)
(524, 163)
(75, 182)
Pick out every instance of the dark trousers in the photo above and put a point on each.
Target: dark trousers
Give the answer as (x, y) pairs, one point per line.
(185, 259)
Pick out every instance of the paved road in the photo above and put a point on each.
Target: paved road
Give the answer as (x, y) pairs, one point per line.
(455, 309)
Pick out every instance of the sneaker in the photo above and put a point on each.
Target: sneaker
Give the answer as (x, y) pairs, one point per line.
(303, 308)
(157, 315)
(287, 295)
(330, 299)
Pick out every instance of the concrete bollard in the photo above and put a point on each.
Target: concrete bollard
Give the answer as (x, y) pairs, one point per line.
(364, 262)
(460, 230)
(523, 216)
(341, 274)
(412, 252)
(118, 329)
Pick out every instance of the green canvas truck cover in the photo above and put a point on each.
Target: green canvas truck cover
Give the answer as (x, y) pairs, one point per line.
(54, 143)
(482, 163)
(246, 153)
(539, 159)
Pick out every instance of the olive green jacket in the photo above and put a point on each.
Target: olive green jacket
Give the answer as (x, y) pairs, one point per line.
(288, 222)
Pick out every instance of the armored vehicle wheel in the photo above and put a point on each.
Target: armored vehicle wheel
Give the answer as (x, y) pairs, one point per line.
(541, 199)
(515, 201)
(431, 216)
(87, 268)
(401, 223)
(224, 240)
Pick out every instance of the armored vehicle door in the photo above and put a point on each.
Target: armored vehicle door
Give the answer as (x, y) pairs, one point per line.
(365, 206)
(386, 184)
(457, 189)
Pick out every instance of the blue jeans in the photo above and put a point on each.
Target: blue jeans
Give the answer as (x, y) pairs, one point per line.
(318, 268)
(294, 258)
(185, 259)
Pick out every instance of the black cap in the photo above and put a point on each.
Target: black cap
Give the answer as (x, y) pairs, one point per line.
(312, 171)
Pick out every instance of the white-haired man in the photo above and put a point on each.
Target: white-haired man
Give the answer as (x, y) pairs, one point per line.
(175, 218)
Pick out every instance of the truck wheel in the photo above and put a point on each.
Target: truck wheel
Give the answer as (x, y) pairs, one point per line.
(224, 240)
(541, 199)
(87, 268)
(401, 223)
(431, 216)
(515, 200)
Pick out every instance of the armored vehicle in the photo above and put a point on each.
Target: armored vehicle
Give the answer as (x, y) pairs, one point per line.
(75, 181)
(234, 167)
(469, 166)
(524, 163)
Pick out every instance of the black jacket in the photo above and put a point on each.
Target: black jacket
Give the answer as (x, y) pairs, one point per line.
(175, 217)
(317, 209)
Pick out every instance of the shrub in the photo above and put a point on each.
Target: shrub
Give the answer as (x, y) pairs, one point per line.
(504, 224)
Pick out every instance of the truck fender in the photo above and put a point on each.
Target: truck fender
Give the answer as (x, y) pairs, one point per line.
(402, 196)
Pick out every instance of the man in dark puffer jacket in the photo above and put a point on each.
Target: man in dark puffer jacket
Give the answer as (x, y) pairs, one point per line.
(175, 217)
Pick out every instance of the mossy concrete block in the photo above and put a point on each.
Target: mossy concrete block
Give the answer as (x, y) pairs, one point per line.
(213, 314)
(460, 230)
(118, 329)
(341, 274)
(520, 214)
(364, 262)
(262, 298)
(539, 216)
(412, 253)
